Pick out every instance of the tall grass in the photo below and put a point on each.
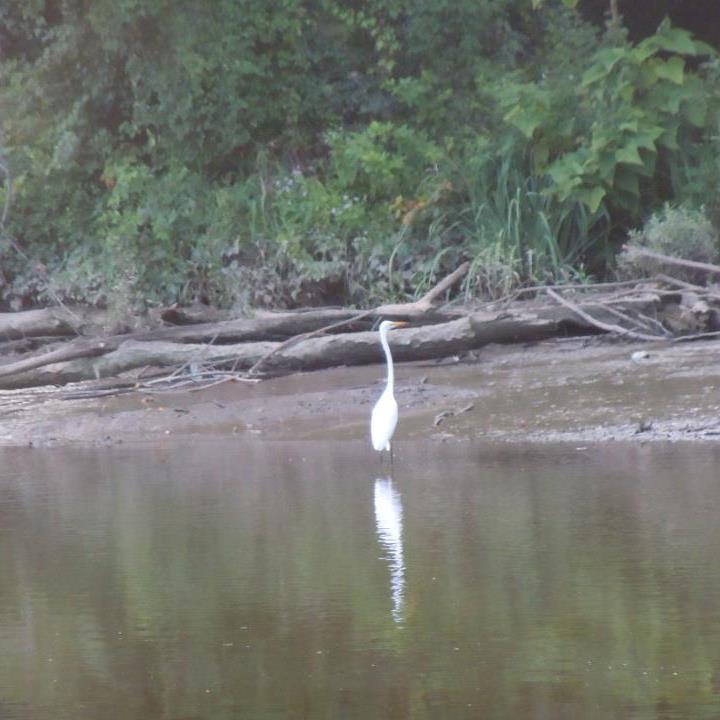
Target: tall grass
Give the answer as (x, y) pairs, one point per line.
(516, 234)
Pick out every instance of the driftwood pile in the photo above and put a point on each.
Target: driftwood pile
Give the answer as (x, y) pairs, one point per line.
(53, 346)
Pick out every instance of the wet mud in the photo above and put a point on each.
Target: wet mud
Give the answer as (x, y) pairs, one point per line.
(579, 390)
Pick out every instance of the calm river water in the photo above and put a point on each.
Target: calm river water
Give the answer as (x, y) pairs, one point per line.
(276, 580)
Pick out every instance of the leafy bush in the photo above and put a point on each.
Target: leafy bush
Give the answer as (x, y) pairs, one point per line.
(609, 134)
(682, 232)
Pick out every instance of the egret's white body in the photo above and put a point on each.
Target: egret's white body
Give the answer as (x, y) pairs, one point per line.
(385, 413)
(384, 420)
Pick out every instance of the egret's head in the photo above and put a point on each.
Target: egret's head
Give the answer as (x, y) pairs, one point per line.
(386, 325)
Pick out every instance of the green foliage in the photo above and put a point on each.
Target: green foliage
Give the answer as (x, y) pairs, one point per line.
(608, 135)
(683, 232)
(383, 160)
(246, 153)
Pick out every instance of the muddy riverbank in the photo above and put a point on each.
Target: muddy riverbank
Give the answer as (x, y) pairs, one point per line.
(576, 390)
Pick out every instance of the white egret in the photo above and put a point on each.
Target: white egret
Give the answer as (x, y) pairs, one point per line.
(385, 413)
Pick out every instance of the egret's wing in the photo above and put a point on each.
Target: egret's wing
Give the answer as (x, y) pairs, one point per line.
(383, 421)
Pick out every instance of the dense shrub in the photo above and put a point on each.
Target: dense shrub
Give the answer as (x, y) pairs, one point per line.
(331, 151)
(683, 232)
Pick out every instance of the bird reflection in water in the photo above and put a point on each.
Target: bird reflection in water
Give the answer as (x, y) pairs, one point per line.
(389, 519)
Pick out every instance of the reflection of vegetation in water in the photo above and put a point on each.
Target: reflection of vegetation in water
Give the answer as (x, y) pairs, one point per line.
(218, 584)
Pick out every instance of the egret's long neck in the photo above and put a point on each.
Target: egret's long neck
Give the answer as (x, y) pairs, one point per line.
(388, 358)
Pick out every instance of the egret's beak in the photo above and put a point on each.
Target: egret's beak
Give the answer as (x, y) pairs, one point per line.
(400, 323)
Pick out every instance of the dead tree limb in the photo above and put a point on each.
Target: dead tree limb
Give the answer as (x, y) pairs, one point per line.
(31, 323)
(431, 295)
(193, 315)
(424, 306)
(69, 351)
(632, 251)
(607, 327)
(415, 309)
(689, 286)
(696, 336)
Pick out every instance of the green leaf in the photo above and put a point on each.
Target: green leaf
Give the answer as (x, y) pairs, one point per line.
(668, 139)
(606, 164)
(629, 155)
(525, 120)
(648, 73)
(592, 197)
(628, 126)
(643, 51)
(672, 69)
(646, 139)
(669, 39)
(675, 40)
(603, 62)
(565, 170)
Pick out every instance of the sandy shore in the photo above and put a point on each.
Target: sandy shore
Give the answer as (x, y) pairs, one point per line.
(576, 390)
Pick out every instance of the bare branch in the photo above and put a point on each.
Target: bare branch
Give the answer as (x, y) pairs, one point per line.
(632, 251)
(607, 327)
(431, 295)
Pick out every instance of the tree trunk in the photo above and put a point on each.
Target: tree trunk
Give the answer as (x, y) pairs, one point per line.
(31, 323)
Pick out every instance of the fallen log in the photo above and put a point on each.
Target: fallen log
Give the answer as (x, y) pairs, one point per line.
(422, 308)
(26, 344)
(265, 326)
(130, 355)
(31, 323)
(87, 359)
(274, 325)
(707, 292)
(421, 343)
(288, 326)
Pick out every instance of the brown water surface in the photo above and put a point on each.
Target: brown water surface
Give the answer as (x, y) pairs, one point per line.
(297, 580)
